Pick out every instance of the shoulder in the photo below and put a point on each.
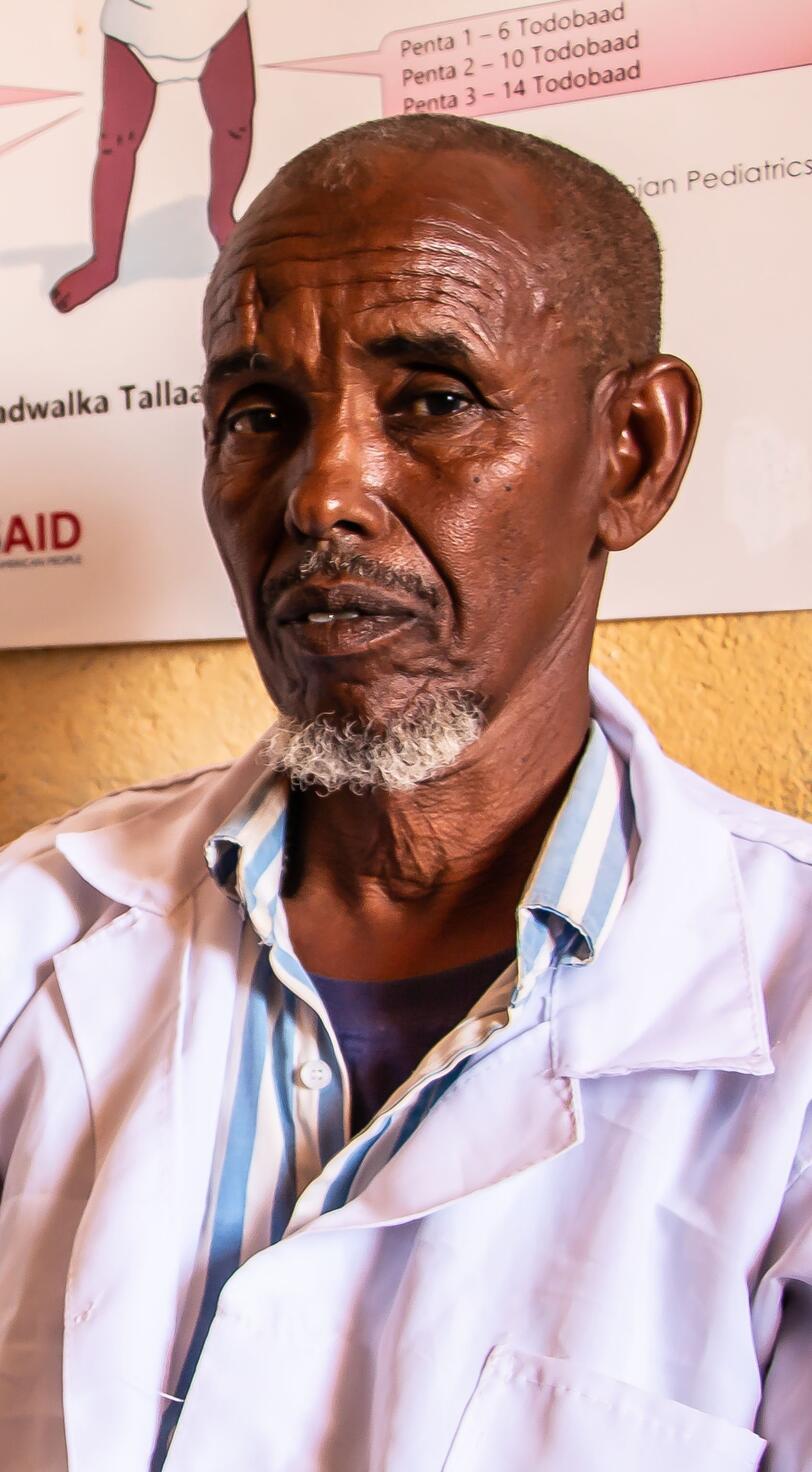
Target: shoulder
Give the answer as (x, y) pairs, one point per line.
(772, 853)
(747, 822)
(114, 808)
(772, 859)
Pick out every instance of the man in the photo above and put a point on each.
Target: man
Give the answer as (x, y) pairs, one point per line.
(453, 1112)
(144, 46)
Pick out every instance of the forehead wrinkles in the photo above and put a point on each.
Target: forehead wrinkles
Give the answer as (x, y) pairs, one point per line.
(458, 263)
(466, 233)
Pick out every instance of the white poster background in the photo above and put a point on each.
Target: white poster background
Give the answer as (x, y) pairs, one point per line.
(737, 306)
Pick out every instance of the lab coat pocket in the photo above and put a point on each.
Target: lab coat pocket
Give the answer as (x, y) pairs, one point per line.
(530, 1411)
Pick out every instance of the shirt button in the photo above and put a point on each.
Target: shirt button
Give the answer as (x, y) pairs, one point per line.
(315, 1074)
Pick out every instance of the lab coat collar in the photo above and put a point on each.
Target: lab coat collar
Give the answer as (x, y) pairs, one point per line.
(153, 857)
(675, 985)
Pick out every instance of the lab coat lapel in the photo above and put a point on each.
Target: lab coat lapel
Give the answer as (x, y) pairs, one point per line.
(153, 866)
(122, 992)
(675, 986)
(131, 992)
(505, 1116)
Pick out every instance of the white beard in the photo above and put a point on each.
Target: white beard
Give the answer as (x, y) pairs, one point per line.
(412, 748)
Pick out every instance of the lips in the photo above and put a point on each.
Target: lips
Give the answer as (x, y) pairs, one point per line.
(342, 617)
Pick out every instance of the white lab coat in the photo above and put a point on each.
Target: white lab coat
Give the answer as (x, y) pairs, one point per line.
(591, 1253)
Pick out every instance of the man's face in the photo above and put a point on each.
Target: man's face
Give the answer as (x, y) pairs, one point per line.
(387, 383)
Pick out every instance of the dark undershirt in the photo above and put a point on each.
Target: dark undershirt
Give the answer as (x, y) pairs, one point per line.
(386, 1028)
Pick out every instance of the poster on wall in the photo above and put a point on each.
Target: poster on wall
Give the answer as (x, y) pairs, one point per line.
(131, 138)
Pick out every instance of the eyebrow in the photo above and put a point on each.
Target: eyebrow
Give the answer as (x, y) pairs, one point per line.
(433, 347)
(234, 363)
(438, 347)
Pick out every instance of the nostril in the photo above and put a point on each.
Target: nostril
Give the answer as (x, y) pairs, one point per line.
(327, 502)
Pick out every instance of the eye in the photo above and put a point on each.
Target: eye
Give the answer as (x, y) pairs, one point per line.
(438, 404)
(254, 421)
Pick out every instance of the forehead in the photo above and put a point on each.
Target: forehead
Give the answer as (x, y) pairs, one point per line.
(452, 251)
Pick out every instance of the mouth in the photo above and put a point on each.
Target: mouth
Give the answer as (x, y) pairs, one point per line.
(341, 617)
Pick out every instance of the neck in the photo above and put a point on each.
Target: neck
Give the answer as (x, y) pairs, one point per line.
(482, 821)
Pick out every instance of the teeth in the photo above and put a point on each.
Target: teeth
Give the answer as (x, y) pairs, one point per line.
(329, 618)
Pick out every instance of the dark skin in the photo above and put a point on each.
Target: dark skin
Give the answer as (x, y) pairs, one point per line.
(387, 377)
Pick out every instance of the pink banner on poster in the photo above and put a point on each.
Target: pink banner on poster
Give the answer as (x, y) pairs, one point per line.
(550, 53)
(10, 95)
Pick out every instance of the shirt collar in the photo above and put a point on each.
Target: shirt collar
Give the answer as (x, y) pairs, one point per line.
(574, 891)
(246, 855)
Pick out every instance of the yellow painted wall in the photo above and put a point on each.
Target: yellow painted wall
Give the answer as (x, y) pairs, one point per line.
(729, 696)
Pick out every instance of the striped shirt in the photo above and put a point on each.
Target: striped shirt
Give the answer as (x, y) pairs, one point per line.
(284, 1152)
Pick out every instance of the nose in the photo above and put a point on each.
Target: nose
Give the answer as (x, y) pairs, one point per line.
(336, 485)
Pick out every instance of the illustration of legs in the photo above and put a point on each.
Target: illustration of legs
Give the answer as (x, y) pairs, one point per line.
(228, 92)
(128, 97)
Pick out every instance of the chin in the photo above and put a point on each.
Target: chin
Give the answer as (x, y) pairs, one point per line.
(372, 698)
(396, 750)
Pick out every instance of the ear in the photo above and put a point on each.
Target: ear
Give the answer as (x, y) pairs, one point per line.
(650, 415)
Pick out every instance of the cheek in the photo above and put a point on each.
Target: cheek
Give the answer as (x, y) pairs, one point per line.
(517, 533)
(478, 510)
(464, 495)
(244, 516)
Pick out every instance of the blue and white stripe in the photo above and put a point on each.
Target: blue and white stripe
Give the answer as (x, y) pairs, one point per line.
(283, 1154)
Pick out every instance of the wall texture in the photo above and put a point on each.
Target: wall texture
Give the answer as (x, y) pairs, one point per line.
(729, 696)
